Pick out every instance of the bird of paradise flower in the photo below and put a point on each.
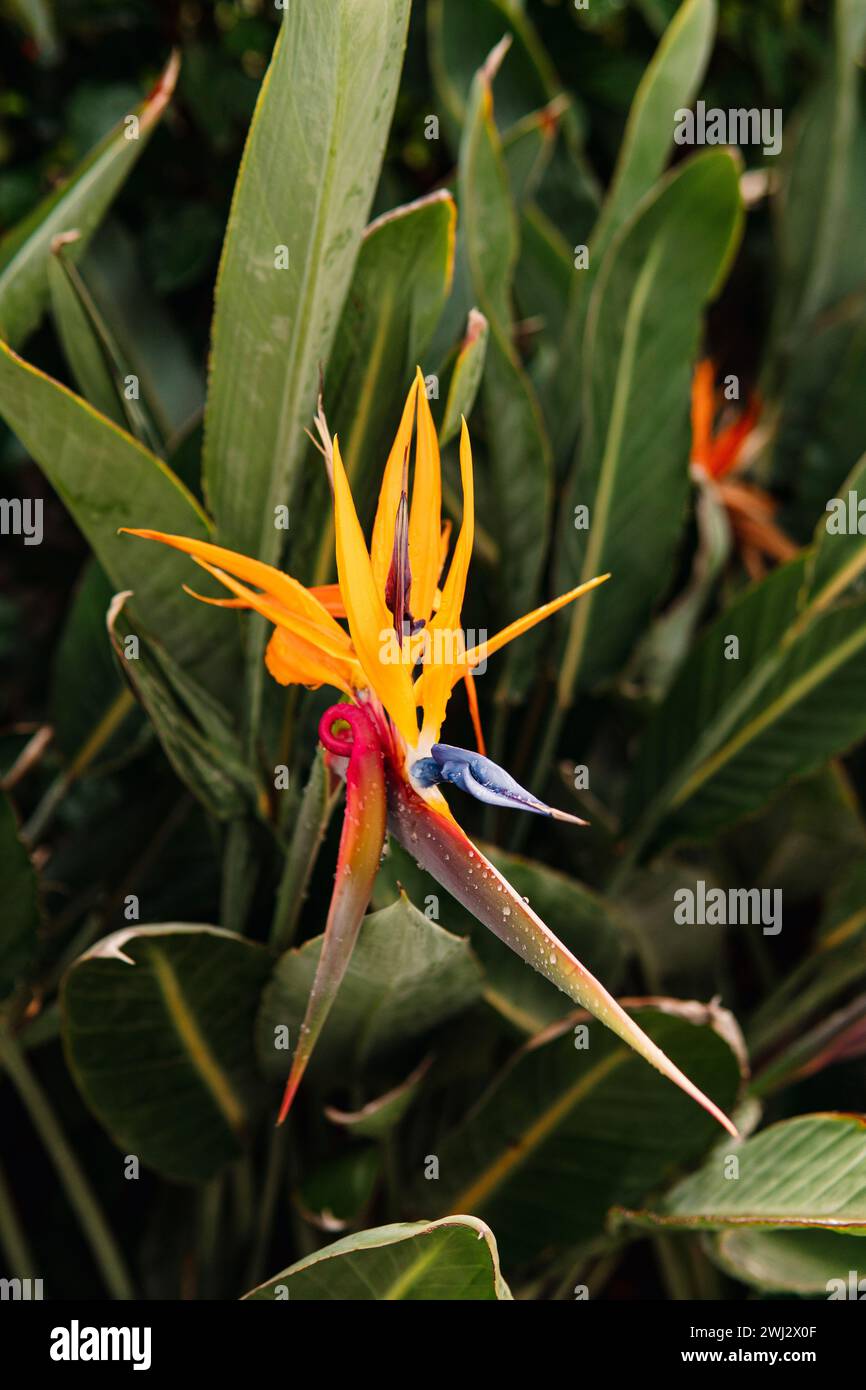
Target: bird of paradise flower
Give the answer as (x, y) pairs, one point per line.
(719, 456)
(404, 653)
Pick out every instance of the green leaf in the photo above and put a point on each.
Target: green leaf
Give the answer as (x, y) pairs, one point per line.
(580, 919)
(397, 293)
(20, 903)
(91, 711)
(78, 204)
(82, 347)
(306, 182)
(544, 273)
(460, 36)
(147, 338)
(732, 731)
(455, 1259)
(642, 337)
(94, 357)
(380, 1117)
(798, 1262)
(670, 82)
(822, 196)
(661, 653)
(529, 146)
(406, 976)
(158, 1032)
(844, 917)
(338, 1194)
(577, 1119)
(518, 463)
(808, 836)
(107, 480)
(807, 1172)
(466, 376)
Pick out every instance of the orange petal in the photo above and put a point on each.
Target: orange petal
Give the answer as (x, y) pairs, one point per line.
(425, 518)
(476, 655)
(728, 443)
(370, 623)
(291, 595)
(382, 543)
(282, 617)
(703, 412)
(329, 597)
(292, 661)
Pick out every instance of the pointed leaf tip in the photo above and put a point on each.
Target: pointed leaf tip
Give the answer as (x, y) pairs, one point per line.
(357, 865)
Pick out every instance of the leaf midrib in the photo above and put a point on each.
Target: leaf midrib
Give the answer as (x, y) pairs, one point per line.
(480, 1191)
(200, 1054)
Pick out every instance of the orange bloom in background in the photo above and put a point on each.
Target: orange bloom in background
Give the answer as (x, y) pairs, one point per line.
(720, 438)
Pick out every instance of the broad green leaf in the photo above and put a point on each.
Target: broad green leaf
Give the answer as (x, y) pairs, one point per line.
(809, 1172)
(196, 731)
(675, 958)
(19, 895)
(406, 976)
(632, 475)
(380, 1117)
(733, 731)
(158, 1032)
(451, 1260)
(669, 83)
(79, 204)
(398, 290)
(107, 480)
(797, 1262)
(518, 463)
(305, 185)
(582, 920)
(814, 363)
(577, 1119)
(823, 192)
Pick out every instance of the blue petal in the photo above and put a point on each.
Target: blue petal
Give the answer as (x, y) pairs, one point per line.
(482, 778)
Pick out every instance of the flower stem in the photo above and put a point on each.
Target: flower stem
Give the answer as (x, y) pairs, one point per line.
(81, 1196)
(19, 1257)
